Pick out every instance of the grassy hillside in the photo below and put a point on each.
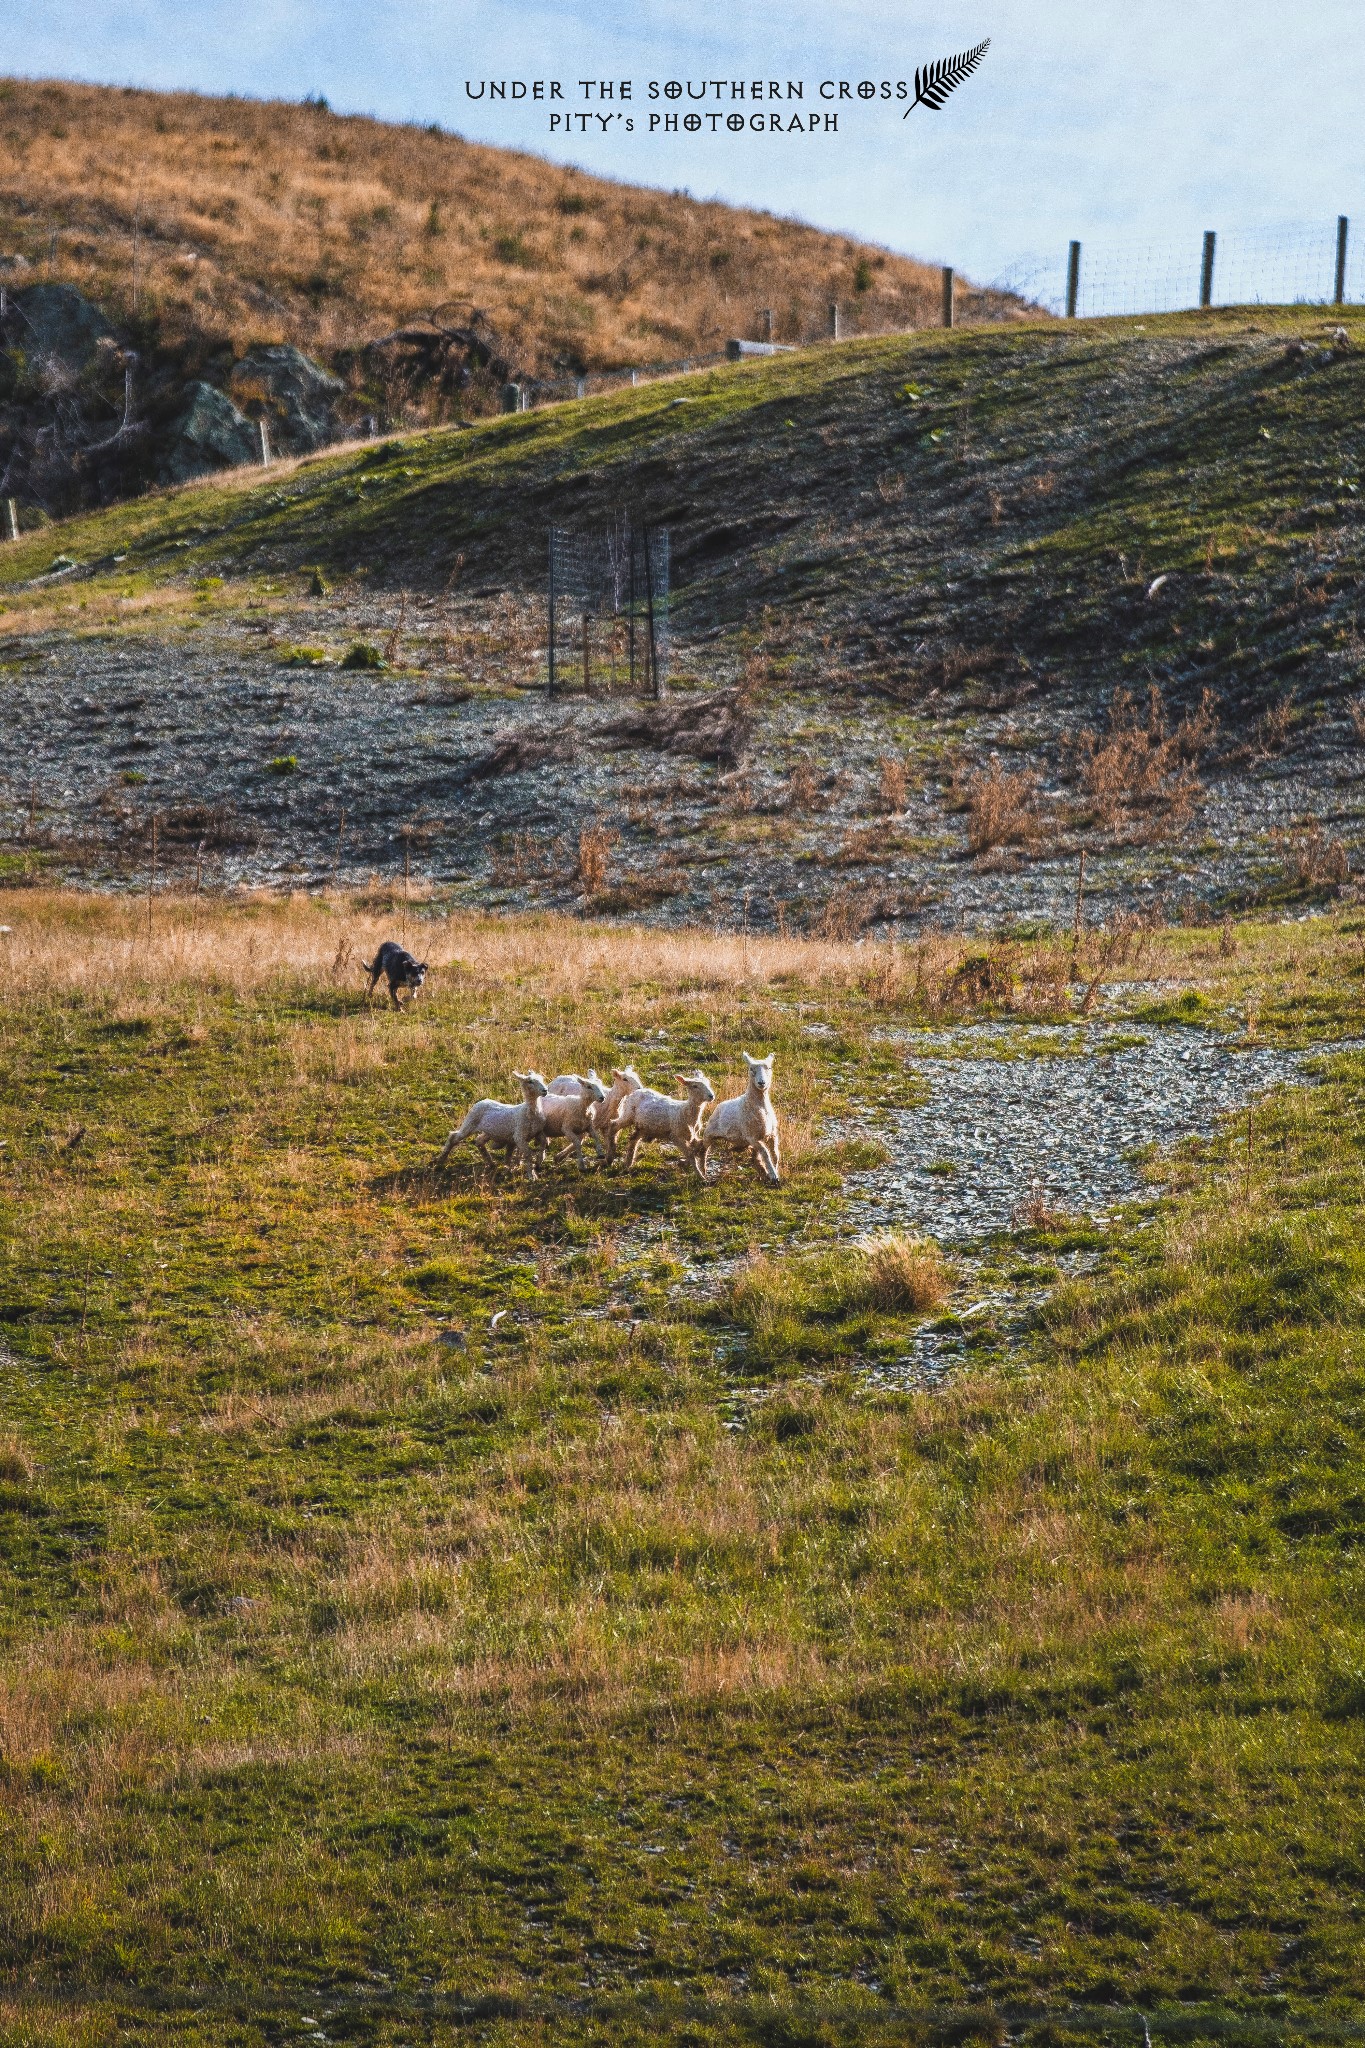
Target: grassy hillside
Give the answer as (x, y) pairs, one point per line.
(994, 512)
(251, 221)
(437, 1609)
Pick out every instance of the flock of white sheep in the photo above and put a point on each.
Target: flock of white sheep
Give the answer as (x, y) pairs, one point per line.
(578, 1106)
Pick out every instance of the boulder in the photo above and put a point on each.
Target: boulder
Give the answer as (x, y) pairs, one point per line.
(58, 324)
(209, 434)
(294, 395)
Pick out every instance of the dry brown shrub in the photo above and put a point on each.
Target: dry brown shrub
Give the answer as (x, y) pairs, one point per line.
(1140, 774)
(893, 783)
(1272, 729)
(1311, 860)
(905, 1273)
(595, 845)
(1002, 808)
(803, 791)
(1035, 1212)
(984, 978)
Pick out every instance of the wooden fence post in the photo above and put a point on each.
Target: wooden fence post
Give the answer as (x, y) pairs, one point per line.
(765, 321)
(834, 322)
(1073, 279)
(1206, 268)
(947, 296)
(1343, 230)
(10, 519)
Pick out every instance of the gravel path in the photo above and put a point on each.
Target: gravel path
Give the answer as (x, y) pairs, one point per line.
(997, 1121)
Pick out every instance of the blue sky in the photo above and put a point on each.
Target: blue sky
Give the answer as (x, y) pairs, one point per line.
(1131, 126)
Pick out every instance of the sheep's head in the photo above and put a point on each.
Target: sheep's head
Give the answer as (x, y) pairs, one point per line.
(533, 1085)
(592, 1089)
(760, 1073)
(698, 1088)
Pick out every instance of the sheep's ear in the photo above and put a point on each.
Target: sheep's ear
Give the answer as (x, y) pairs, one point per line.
(519, 1077)
(617, 1075)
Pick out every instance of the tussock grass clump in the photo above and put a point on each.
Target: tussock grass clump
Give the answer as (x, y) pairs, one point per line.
(905, 1273)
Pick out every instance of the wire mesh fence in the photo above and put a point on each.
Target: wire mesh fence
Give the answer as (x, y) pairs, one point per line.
(608, 592)
(1311, 264)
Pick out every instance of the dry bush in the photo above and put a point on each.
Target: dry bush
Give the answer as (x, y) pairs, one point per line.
(595, 846)
(1002, 808)
(803, 791)
(893, 784)
(1139, 776)
(901, 1273)
(1036, 1213)
(1272, 728)
(1311, 860)
(983, 978)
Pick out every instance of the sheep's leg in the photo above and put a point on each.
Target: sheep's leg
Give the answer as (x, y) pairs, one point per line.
(446, 1150)
(766, 1164)
(631, 1149)
(578, 1152)
(706, 1161)
(601, 1148)
(692, 1151)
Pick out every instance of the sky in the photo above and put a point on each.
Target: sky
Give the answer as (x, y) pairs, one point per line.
(1132, 127)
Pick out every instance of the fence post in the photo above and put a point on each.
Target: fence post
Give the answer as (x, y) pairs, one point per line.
(653, 650)
(551, 648)
(11, 519)
(1073, 279)
(834, 321)
(263, 435)
(765, 321)
(1343, 230)
(947, 296)
(1206, 268)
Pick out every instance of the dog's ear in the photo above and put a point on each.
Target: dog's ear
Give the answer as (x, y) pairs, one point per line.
(421, 966)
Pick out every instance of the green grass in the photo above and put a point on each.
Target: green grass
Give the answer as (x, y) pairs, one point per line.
(613, 1663)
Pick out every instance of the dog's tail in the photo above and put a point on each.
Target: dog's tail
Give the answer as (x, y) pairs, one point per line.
(370, 966)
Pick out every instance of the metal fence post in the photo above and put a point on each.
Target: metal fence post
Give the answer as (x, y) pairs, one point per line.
(9, 519)
(1206, 268)
(834, 322)
(551, 649)
(1073, 279)
(947, 296)
(765, 321)
(1343, 230)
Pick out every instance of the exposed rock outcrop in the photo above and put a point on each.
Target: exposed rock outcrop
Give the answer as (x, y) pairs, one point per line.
(294, 395)
(210, 434)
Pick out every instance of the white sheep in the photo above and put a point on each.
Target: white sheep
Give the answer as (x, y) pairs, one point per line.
(748, 1123)
(572, 1113)
(514, 1127)
(667, 1119)
(624, 1082)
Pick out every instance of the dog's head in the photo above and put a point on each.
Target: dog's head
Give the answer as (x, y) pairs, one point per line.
(760, 1073)
(417, 974)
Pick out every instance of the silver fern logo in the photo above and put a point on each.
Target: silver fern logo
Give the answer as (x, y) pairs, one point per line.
(935, 81)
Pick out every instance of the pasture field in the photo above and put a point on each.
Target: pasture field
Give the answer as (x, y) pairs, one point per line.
(437, 1607)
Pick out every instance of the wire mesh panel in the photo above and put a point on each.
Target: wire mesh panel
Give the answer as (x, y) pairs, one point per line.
(608, 590)
(1292, 263)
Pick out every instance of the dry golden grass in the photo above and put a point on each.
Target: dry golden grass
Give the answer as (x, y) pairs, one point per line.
(269, 221)
(905, 1273)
